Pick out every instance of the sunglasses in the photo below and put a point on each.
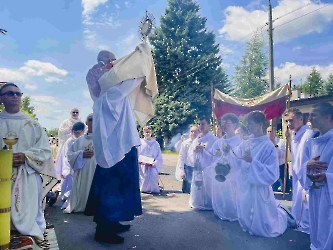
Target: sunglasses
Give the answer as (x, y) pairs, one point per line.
(12, 93)
(75, 112)
(90, 120)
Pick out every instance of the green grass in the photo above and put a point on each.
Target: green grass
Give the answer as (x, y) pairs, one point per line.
(169, 152)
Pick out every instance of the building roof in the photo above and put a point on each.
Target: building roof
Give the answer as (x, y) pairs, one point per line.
(309, 101)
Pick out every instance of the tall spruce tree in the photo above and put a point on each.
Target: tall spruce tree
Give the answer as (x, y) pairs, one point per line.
(314, 84)
(187, 61)
(250, 76)
(329, 85)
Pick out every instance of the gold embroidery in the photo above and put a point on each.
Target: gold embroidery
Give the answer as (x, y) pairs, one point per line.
(35, 160)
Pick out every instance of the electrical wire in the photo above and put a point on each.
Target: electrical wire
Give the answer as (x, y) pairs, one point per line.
(304, 15)
(292, 11)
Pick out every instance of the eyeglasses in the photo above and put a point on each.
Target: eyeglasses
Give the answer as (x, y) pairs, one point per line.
(75, 112)
(12, 93)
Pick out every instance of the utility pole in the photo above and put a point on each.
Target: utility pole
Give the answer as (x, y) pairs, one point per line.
(271, 56)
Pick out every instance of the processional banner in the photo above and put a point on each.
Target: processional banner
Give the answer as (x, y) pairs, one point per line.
(272, 104)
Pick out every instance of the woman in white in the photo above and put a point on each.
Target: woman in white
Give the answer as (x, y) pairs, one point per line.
(149, 171)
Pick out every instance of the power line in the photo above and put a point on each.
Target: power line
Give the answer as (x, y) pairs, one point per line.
(292, 11)
(303, 15)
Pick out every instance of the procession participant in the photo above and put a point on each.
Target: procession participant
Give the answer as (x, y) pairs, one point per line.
(258, 211)
(149, 171)
(82, 160)
(184, 169)
(318, 159)
(32, 156)
(65, 128)
(200, 146)
(179, 143)
(122, 90)
(280, 147)
(220, 180)
(300, 134)
(62, 166)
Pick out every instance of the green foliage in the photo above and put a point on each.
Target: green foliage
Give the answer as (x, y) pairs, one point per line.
(329, 85)
(53, 132)
(187, 61)
(250, 74)
(313, 84)
(26, 107)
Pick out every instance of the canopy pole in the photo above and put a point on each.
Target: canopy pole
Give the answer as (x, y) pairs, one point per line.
(213, 108)
(288, 147)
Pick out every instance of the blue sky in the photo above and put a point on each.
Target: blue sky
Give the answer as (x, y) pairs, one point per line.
(50, 45)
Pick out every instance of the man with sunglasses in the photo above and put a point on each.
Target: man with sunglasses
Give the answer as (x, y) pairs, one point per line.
(81, 158)
(32, 156)
(65, 128)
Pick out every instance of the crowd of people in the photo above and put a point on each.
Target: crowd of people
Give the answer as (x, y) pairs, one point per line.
(103, 164)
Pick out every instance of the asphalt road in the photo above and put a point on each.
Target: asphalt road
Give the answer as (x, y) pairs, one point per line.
(169, 223)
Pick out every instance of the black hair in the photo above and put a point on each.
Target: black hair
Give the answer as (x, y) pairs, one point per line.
(79, 126)
(231, 117)
(295, 111)
(257, 117)
(205, 118)
(7, 85)
(324, 108)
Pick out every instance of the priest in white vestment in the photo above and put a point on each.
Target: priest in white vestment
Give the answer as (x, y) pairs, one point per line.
(179, 143)
(149, 171)
(300, 199)
(184, 169)
(82, 160)
(318, 159)
(199, 148)
(62, 166)
(32, 157)
(221, 181)
(258, 211)
(65, 128)
(123, 91)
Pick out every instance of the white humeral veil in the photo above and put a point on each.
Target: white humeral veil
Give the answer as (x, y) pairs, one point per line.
(26, 206)
(127, 92)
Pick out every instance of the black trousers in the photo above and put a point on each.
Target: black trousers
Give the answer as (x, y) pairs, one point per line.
(186, 188)
(279, 182)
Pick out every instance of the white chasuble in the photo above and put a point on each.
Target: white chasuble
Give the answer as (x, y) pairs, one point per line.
(321, 200)
(84, 169)
(223, 194)
(65, 131)
(26, 205)
(198, 198)
(300, 200)
(257, 209)
(148, 174)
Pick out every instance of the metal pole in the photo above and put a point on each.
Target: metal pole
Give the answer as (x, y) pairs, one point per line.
(271, 56)
(213, 108)
(288, 146)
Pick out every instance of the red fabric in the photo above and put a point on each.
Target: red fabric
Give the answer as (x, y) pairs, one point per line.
(271, 109)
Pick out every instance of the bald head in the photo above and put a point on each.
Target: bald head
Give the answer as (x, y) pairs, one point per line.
(105, 56)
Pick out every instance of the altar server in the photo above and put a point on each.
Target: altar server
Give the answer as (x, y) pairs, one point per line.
(32, 157)
(318, 158)
(200, 146)
(221, 181)
(258, 211)
(300, 134)
(82, 160)
(149, 172)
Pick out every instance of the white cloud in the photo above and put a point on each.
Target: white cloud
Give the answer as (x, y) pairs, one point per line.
(128, 44)
(297, 48)
(225, 65)
(53, 79)
(91, 41)
(44, 104)
(38, 68)
(239, 21)
(86, 94)
(224, 50)
(90, 6)
(117, 6)
(29, 86)
(11, 75)
(299, 72)
(127, 4)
